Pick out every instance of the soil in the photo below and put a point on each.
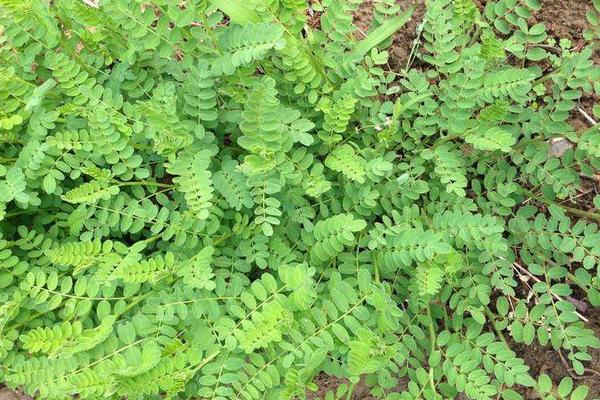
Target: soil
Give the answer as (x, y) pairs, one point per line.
(328, 383)
(544, 360)
(7, 394)
(563, 19)
(404, 38)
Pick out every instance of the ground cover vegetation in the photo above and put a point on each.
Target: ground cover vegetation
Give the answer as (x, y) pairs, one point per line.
(220, 200)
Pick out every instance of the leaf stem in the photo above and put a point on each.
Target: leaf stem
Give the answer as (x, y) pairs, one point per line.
(492, 319)
(153, 238)
(350, 391)
(146, 183)
(376, 267)
(26, 321)
(27, 211)
(570, 210)
(433, 345)
(569, 274)
(554, 295)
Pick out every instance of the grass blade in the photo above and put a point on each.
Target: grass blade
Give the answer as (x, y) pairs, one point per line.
(381, 33)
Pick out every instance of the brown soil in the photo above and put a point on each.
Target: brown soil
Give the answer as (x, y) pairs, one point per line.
(403, 39)
(7, 394)
(330, 383)
(364, 16)
(564, 18)
(545, 360)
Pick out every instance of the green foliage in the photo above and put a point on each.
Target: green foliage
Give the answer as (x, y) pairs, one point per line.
(219, 200)
(593, 18)
(240, 45)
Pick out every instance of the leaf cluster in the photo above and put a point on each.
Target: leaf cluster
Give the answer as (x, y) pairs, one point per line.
(225, 199)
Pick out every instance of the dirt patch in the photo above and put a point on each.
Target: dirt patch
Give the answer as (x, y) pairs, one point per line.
(325, 383)
(8, 394)
(404, 40)
(364, 16)
(545, 360)
(567, 19)
(564, 18)
(328, 383)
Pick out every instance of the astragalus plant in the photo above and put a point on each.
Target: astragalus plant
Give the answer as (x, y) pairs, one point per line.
(224, 199)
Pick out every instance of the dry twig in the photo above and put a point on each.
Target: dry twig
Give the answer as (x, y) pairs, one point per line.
(91, 3)
(557, 297)
(587, 116)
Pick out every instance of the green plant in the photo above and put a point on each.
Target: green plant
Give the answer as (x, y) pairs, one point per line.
(213, 200)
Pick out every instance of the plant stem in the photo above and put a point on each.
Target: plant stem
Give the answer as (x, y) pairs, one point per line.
(25, 212)
(535, 278)
(350, 391)
(146, 183)
(432, 348)
(569, 274)
(431, 330)
(222, 238)
(570, 210)
(153, 238)
(22, 323)
(492, 319)
(211, 34)
(581, 213)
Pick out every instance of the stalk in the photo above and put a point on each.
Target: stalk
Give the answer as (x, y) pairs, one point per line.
(570, 210)
(381, 33)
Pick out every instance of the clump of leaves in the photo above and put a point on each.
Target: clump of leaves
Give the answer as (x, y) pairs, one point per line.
(218, 199)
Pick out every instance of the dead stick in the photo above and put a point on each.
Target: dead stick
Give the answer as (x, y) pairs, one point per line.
(557, 297)
(587, 116)
(91, 3)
